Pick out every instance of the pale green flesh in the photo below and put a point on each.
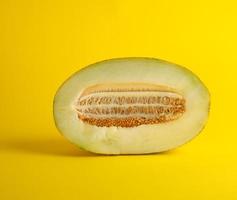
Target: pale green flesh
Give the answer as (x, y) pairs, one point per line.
(143, 138)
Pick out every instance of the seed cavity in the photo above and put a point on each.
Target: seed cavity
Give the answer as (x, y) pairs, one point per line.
(129, 104)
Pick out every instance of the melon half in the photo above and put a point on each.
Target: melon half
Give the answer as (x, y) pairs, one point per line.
(131, 106)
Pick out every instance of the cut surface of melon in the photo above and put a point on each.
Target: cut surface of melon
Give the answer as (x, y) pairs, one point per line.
(131, 106)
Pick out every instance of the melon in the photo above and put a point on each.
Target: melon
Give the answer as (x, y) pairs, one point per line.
(131, 106)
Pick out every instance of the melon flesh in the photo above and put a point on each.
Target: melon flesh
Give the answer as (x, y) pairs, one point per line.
(131, 106)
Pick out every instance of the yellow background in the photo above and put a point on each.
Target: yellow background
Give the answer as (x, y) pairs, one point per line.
(42, 42)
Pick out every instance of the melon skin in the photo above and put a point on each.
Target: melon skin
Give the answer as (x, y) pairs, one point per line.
(142, 139)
